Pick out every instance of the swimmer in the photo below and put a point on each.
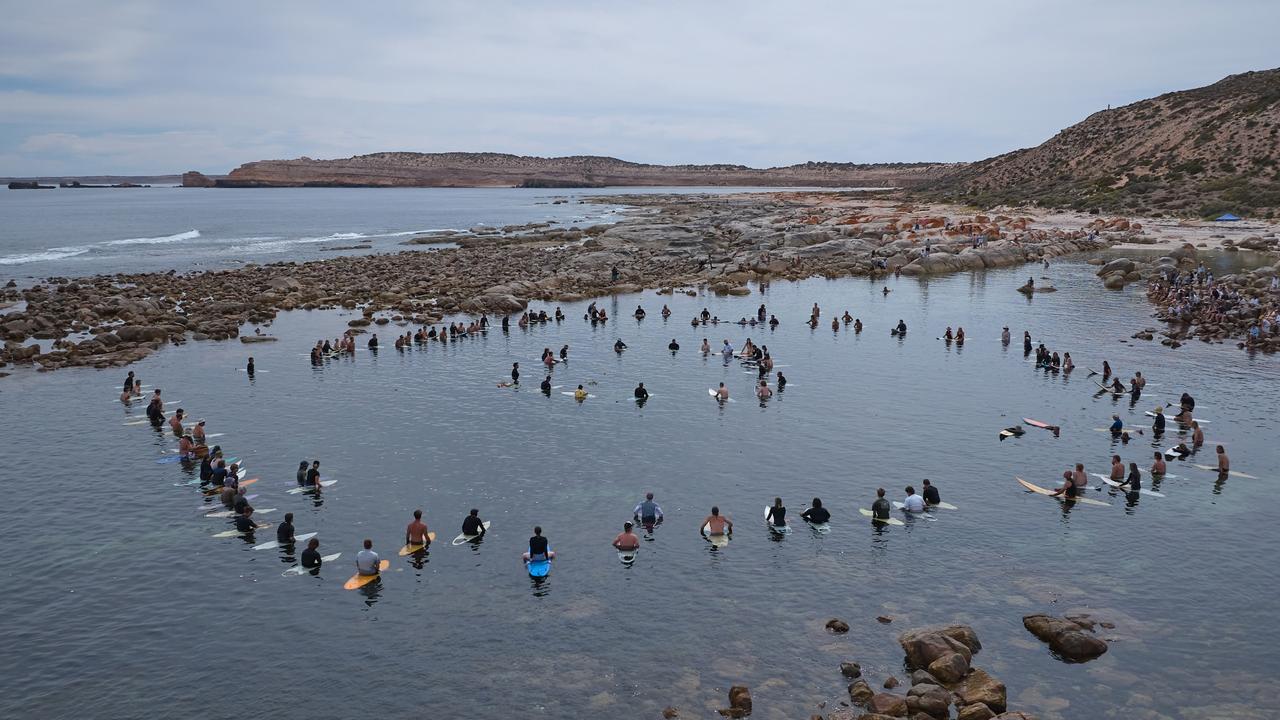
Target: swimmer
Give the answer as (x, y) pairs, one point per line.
(249, 368)
(626, 541)
(959, 335)
(912, 503)
(816, 514)
(416, 533)
(716, 524)
(641, 393)
(367, 561)
(373, 342)
(564, 353)
(857, 325)
(1004, 336)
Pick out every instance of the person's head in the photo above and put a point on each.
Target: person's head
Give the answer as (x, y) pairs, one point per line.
(1138, 373)
(201, 423)
(715, 510)
(911, 489)
(240, 490)
(880, 492)
(1133, 467)
(1066, 475)
(515, 365)
(222, 463)
(188, 437)
(315, 463)
(641, 384)
(1220, 450)
(627, 526)
(417, 514)
(648, 496)
(302, 465)
(537, 529)
(180, 412)
(1115, 417)
(247, 511)
(1157, 455)
(817, 502)
(475, 512)
(721, 384)
(1079, 466)
(312, 544)
(288, 517)
(777, 502)
(579, 387)
(1115, 458)
(368, 544)
(926, 482)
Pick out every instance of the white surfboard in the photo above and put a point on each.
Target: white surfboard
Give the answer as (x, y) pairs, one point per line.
(1124, 487)
(781, 529)
(468, 538)
(298, 569)
(275, 543)
(237, 533)
(572, 395)
(716, 540)
(1232, 473)
(627, 557)
(889, 521)
(300, 490)
(1169, 418)
(232, 513)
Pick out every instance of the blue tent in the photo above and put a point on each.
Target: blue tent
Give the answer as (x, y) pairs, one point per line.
(1226, 217)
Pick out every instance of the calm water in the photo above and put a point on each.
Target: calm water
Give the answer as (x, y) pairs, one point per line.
(89, 231)
(120, 601)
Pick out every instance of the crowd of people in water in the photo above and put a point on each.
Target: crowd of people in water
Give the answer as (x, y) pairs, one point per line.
(221, 478)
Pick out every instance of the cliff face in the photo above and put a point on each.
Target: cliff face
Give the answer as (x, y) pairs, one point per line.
(1201, 152)
(402, 169)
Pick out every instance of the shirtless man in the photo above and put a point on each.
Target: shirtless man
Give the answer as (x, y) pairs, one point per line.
(626, 541)
(1078, 477)
(175, 422)
(1197, 435)
(706, 347)
(1117, 469)
(1158, 467)
(717, 524)
(416, 532)
(1224, 462)
(763, 392)
(186, 448)
(722, 393)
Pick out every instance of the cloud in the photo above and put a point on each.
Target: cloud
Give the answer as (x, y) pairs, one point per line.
(144, 87)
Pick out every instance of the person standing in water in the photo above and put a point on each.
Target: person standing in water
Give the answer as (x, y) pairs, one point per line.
(722, 393)
(515, 373)
(777, 515)
(546, 385)
(302, 473)
(647, 512)
(626, 541)
(673, 346)
(1158, 466)
(816, 514)
(716, 524)
(640, 393)
(763, 392)
(249, 367)
(580, 394)
(1224, 462)
(416, 533)
(880, 508)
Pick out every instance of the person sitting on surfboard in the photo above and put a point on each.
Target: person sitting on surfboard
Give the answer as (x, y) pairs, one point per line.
(416, 532)
(515, 373)
(647, 512)
(1158, 467)
(175, 422)
(367, 561)
(763, 392)
(580, 394)
(641, 393)
(777, 515)
(912, 503)
(284, 531)
(244, 521)
(1117, 468)
(881, 507)
(472, 525)
(626, 541)
(539, 548)
(930, 493)
(717, 524)
(1224, 462)
(313, 475)
(816, 514)
(902, 326)
(1079, 477)
(959, 336)
(1068, 488)
(311, 557)
(546, 385)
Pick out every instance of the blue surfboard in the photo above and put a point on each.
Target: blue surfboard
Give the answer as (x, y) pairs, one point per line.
(538, 568)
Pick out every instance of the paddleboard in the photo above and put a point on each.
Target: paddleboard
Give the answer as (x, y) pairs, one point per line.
(1049, 493)
(717, 540)
(415, 547)
(1232, 473)
(276, 543)
(1169, 418)
(237, 533)
(309, 488)
(539, 568)
(358, 581)
(298, 569)
(468, 538)
(780, 529)
(1111, 390)
(1124, 486)
(889, 521)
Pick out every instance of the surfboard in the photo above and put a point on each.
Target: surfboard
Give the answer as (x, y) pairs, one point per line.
(197, 481)
(943, 505)
(822, 528)
(889, 521)
(1049, 493)
(232, 513)
(1232, 473)
(298, 569)
(276, 543)
(213, 435)
(137, 422)
(627, 557)
(310, 488)
(415, 547)
(216, 490)
(718, 540)
(780, 529)
(539, 568)
(358, 581)
(1124, 486)
(1111, 390)
(468, 538)
(636, 399)
(206, 507)
(1173, 453)
(1037, 423)
(572, 395)
(1130, 430)
(237, 533)
(1169, 418)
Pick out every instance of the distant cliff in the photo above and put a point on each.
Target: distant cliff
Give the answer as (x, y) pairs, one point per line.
(404, 169)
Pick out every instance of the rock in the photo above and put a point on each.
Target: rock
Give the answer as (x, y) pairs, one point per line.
(981, 687)
(837, 626)
(257, 338)
(1114, 282)
(851, 670)
(1119, 265)
(739, 702)
(949, 668)
(922, 677)
(191, 178)
(739, 290)
(888, 704)
(1067, 639)
(890, 682)
(1015, 716)
(884, 619)
(976, 711)
(141, 333)
(860, 692)
(936, 703)
(924, 645)
(670, 713)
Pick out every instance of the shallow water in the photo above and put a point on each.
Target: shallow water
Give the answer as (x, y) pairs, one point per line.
(122, 602)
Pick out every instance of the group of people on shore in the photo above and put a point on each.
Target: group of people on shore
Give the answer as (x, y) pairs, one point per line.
(1194, 297)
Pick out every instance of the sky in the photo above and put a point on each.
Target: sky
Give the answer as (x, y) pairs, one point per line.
(161, 87)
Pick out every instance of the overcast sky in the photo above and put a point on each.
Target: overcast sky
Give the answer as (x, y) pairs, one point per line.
(142, 87)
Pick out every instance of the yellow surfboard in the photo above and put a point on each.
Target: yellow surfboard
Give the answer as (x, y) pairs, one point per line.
(1049, 493)
(215, 490)
(359, 581)
(411, 549)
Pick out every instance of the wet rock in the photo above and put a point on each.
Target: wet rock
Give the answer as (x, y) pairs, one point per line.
(257, 338)
(1068, 639)
(981, 687)
(925, 645)
(890, 682)
(670, 713)
(888, 704)
(884, 619)
(933, 701)
(1015, 716)
(922, 677)
(141, 333)
(837, 626)
(949, 668)
(860, 692)
(851, 670)
(976, 711)
(739, 702)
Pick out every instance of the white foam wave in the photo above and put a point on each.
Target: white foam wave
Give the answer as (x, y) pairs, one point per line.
(177, 237)
(57, 253)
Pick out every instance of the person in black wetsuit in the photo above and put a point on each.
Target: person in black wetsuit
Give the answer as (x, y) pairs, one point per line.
(472, 524)
(312, 478)
(673, 345)
(219, 475)
(930, 493)
(777, 516)
(902, 327)
(244, 521)
(1026, 344)
(619, 346)
(155, 409)
(782, 380)
(1133, 483)
(1157, 427)
(880, 508)
(816, 514)
(373, 342)
(128, 382)
(302, 473)
(546, 385)
(311, 557)
(539, 548)
(515, 373)
(249, 368)
(284, 531)
(641, 393)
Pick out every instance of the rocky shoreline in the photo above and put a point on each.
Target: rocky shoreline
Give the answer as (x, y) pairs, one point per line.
(672, 243)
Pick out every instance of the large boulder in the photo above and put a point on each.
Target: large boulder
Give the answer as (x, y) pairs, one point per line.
(949, 668)
(141, 333)
(930, 700)
(1069, 640)
(925, 645)
(1119, 265)
(888, 704)
(981, 687)
(493, 303)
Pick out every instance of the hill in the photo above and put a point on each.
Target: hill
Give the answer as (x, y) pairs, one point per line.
(1198, 152)
(459, 169)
